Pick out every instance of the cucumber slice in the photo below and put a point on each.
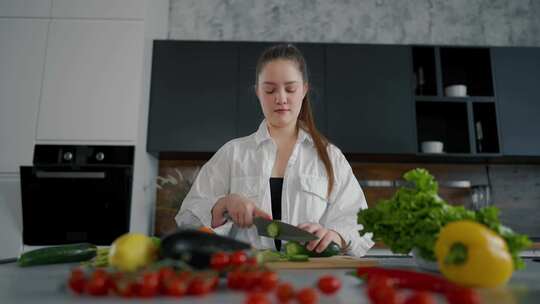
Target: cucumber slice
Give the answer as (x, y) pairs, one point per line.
(293, 248)
(299, 258)
(265, 256)
(273, 229)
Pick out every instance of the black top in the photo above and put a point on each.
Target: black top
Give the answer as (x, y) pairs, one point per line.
(276, 187)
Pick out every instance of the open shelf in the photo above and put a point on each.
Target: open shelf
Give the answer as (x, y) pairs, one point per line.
(467, 66)
(424, 68)
(445, 122)
(485, 127)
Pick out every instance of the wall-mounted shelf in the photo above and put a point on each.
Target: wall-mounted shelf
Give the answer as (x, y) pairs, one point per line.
(466, 125)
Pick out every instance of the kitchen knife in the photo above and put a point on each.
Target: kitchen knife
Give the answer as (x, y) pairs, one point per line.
(287, 232)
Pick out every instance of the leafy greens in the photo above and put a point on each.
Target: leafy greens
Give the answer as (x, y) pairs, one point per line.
(414, 215)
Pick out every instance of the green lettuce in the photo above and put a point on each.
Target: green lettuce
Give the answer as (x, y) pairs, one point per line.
(414, 215)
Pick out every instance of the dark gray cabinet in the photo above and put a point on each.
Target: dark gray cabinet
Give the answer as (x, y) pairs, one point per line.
(249, 110)
(193, 96)
(369, 99)
(517, 79)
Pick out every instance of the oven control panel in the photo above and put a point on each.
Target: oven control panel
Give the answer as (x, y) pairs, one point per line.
(83, 155)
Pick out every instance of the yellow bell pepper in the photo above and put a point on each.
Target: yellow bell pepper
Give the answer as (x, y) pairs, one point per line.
(471, 254)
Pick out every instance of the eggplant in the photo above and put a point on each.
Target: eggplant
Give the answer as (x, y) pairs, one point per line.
(196, 248)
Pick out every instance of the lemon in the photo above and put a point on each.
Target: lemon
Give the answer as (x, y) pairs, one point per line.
(132, 251)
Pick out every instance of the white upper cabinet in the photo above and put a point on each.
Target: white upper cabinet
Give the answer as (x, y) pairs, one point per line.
(107, 9)
(22, 56)
(92, 81)
(25, 8)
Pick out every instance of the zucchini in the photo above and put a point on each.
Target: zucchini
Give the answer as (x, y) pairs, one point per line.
(273, 229)
(295, 248)
(58, 254)
(196, 247)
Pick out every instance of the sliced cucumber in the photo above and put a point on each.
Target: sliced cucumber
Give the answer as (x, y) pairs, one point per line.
(294, 248)
(273, 229)
(299, 258)
(265, 256)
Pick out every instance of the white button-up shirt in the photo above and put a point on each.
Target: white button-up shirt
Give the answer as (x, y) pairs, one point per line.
(244, 166)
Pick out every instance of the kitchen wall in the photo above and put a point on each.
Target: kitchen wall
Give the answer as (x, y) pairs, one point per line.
(515, 188)
(456, 22)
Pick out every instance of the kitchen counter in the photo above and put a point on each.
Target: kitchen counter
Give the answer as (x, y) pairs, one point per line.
(45, 284)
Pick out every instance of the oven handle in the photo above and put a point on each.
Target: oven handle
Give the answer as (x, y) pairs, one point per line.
(88, 175)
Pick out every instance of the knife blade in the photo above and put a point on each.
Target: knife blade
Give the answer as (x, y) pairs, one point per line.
(287, 232)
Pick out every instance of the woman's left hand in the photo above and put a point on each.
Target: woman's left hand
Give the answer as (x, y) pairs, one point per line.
(325, 237)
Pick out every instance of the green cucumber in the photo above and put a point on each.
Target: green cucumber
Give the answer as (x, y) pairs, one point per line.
(58, 254)
(295, 248)
(273, 230)
(298, 258)
(265, 256)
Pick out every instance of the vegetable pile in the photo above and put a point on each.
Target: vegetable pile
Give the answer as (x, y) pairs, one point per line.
(414, 215)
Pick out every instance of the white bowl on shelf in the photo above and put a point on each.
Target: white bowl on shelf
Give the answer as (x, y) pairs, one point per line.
(457, 90)
(432, 147)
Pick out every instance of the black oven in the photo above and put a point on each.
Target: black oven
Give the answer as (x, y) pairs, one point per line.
(76, 194)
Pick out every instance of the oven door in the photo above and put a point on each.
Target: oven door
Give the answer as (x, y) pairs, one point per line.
(67, 205)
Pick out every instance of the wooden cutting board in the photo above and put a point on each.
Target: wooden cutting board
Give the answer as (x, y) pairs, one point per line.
(338, 261)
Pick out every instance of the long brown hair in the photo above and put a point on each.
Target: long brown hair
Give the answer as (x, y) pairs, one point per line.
(306, 120)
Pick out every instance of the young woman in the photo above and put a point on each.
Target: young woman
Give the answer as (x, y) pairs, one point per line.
(286, 170)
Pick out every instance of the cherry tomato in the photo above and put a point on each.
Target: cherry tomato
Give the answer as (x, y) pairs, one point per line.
(77, 280)
(238, 258)
(257, 298)
(176, 287)
(198, 287)
(381, 290)
(165, 274)
(214, 282)
(126, 288)
(149, 285)
(329, 284)
(307, 296)
(285, 292)
(252, 261)
(269, 280)
(97, 285)
(251, 280)
(235, 280)
(219, 261)
(185, 275)
(420, 297)
(464, 296)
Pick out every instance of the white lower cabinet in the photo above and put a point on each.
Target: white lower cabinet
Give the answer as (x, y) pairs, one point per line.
(92, 81)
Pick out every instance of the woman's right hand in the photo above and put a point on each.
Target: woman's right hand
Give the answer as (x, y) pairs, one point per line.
(240, 209)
